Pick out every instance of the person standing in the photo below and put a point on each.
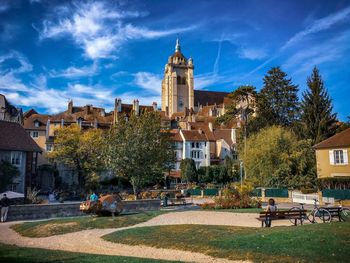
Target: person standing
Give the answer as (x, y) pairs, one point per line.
(5, 203)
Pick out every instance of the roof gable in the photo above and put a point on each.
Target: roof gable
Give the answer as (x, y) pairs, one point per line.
(341, 139)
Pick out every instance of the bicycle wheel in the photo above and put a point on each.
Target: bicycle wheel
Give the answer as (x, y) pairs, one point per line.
(295, 208)
(345, 214)
(321, 216)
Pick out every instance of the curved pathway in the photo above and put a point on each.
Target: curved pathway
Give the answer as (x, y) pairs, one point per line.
(90, 241)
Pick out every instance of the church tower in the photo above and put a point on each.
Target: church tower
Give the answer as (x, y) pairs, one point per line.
(177, 84)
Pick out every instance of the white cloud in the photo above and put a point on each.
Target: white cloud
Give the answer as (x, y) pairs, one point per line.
(252, 53)
(148, 81)
(99, 29)
(319, 25)
(8, 73)
(75, 72)
(332, 50)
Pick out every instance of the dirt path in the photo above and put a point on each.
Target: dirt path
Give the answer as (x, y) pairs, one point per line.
(90, 241)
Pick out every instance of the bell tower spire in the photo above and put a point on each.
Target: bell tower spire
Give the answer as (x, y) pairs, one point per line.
(177, 46)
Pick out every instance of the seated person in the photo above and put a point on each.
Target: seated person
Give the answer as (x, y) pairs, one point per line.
(271, 207)
(93, 197)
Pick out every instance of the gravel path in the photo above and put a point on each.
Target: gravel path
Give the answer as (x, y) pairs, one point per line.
(90, 241)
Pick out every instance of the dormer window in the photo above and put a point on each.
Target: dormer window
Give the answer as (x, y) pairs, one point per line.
(36, 124)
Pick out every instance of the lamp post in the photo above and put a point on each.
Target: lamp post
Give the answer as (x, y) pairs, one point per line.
(241, 171)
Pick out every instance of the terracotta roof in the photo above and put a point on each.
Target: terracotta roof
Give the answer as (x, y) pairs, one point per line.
(194, 135)
(28, 113)
(204, 97)
(29, 122)
(178, 54)
(341, 139)
(224, 134)
(15, 138)
(175, 135)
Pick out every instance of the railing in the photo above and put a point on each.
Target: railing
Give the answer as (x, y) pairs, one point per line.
(304, 198)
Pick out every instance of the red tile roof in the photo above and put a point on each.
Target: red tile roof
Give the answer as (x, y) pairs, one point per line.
(341, 139)
(194, 135)
(13, 137)
(29, 122)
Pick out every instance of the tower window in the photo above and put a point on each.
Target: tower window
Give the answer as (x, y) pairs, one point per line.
(183, 81)
(178, 79)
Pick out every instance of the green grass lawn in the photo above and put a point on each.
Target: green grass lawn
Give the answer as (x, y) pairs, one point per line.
(67, 225)
(308, 243)
(25, 255)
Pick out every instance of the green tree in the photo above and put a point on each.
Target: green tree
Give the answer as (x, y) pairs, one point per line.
(317, 110)
(8, 173)
(277, 102)
(242, 105)
(276, 158)
(139, 149)
(80, 151)
(188, 170)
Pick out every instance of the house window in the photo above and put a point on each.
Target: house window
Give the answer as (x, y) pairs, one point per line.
(16, 158)
(338, 157)
(193, 145)
(35, 134)
(196, 155)
(36, 124)
(197, 144)
(48, 147)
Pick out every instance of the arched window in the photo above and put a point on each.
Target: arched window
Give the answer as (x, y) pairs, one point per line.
(178, 79)
(184, 81)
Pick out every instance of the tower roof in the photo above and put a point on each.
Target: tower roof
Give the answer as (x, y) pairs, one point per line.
(178, 52)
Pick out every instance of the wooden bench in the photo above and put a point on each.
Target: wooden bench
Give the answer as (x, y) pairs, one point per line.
(335, 211)
(280, 215)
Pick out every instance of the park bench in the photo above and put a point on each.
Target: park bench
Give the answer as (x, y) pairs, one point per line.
(334, 211)
(280, 215)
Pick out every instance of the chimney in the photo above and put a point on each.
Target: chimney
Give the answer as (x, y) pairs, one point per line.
(210, 124)
(154, 104)
(136, 107)
(62, 123)
(88, 109)
(95, 123)
(210, 112)
(233, 135)
(167, 111)
(118, 105)
(70, 107)
(47, 128)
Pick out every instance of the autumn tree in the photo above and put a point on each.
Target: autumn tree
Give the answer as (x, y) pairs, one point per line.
(139, 149)
(81, 151)
(317, 110)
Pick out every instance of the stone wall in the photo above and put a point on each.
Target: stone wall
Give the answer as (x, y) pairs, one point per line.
(30, 212)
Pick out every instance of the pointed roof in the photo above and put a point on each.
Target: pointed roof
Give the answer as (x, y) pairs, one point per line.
(178, 52)
(341, 139)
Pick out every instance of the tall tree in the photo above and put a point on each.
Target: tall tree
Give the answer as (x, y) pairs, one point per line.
(242, 105)
(80, 151)
(277, 102)
(139, 149)
(188, 170)
(317, 110)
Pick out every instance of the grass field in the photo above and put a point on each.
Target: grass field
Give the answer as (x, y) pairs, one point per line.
(308, 243)
(9, 254)
(67, 225)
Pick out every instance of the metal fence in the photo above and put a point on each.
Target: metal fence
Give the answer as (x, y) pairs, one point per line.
(194, 191)
(276, 192)
(337, 194)
(210, 192)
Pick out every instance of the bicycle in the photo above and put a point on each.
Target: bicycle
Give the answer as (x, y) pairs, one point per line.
(345, 212)
(317, 214)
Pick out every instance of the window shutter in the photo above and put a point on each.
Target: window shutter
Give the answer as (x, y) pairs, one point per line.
(331, 157)
(345, 155)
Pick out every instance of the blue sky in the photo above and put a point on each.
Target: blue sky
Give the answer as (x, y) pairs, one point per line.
(95, 51)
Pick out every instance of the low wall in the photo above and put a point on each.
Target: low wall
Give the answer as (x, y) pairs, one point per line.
(29, 212)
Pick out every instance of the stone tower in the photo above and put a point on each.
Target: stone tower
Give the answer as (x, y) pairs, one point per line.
(177, 84)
